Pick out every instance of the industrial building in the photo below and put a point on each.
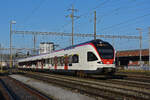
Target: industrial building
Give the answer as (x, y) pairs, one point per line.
(132, 57)
(46, 47)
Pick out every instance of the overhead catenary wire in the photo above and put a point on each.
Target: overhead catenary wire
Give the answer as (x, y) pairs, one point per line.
(99, 6)
(34, 11)
(124, 22)
(93, 9)
(66, 24)
(99, 18)
(116, 10)
(124, 27)
(119, 8)
(85, 14)
(76, 34)
(69, 23)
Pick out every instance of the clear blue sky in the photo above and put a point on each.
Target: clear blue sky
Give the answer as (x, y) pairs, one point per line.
(114, 17)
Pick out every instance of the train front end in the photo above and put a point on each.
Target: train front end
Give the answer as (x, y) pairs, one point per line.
(106, 57)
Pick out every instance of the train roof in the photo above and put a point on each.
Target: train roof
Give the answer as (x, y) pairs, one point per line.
(70, 47)
(92, 41)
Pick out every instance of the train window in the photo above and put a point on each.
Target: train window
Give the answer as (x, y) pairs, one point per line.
(62, 60)
(70, 59)
(91, 56)
(75, 58)
(34, 62)
(52, 61)
(21, 63)
(66, 58)
(55, 60)
(49, 60)
(59, 61)
(46, 61)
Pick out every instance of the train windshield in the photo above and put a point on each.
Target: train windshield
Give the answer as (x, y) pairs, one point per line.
(105, 50)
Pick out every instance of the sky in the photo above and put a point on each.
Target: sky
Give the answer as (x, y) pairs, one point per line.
(114, 17)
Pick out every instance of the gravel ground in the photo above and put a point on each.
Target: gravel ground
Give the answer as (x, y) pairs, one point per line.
(17, 91)
(55, 92)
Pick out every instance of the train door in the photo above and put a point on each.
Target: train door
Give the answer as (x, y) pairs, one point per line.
(39, 64)
(55, 62)
(46, 64)
(75, 62)
(50, 63)
(36, 65)
(81, 55)
(29, 65)
(42, 64)
(91, 59)
(66, 62)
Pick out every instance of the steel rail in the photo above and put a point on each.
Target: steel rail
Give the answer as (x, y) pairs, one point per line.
(92, 87)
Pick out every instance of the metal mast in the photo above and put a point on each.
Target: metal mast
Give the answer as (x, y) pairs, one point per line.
(72, 17)
(12, 22)
(94, 25)
(140, 31)
(34, 39)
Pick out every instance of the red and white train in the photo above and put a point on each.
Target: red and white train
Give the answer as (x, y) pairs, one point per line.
(95, 57)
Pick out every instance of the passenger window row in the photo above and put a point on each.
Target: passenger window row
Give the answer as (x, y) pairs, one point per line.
(60, 61)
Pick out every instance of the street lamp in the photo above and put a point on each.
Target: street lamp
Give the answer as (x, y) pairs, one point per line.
(140, 31)
(11, 22)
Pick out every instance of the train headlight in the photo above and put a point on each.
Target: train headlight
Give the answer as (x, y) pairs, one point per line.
(100, 62)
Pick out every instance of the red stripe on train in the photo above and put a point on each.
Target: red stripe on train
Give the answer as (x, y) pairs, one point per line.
(66, 63)
(66, 67)
(55, 67)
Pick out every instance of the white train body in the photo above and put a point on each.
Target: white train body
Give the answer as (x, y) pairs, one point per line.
(92, 57)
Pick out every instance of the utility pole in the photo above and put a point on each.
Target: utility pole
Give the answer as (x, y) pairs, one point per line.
(12, 22)
(140, 31)
(149, 46)
(94, 25)
(72, 17)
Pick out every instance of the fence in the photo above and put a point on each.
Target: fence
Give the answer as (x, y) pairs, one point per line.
(145, 68)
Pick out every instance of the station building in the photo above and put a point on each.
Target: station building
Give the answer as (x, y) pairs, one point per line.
(132, 57)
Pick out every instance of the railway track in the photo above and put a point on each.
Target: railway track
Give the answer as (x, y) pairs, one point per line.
(135, 77)
(4, 93)
(99, 88)
(134, 81)
(12, 89)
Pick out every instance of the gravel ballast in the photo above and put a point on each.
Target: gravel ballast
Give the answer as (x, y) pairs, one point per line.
(52, 91)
